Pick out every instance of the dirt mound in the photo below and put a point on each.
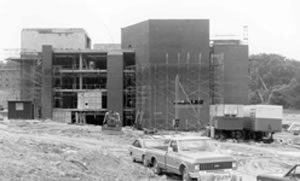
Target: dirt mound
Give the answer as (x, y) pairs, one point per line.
(53, 151)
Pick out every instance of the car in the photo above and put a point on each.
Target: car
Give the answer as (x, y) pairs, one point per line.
(292, 175)
(193, 158)
(139, 147)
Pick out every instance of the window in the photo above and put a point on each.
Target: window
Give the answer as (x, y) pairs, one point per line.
(156, 143)
(19, 106)
(174, 146)
(196, 145)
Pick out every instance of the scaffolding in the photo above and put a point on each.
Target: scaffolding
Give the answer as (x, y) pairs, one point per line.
(157, 95)
(30, 75)
(79, 87)
(129, 92)
(182, 90)
(216, 78)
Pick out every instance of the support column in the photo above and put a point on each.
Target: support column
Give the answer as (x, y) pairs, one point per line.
(115, 82)
(80, 68)
(47, 91)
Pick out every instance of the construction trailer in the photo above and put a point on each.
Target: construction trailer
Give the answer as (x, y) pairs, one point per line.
(262, 121)
(248, 122)
(20, 109)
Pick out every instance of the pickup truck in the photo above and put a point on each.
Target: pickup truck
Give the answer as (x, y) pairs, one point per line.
(193, 158)
(138, 148)
(292, 175)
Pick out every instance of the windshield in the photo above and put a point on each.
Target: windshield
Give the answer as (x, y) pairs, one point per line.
(155, 143)
(196, 145)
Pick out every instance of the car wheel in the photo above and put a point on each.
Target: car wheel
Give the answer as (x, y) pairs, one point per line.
(145, 162)
(185, 175)
(156, 168)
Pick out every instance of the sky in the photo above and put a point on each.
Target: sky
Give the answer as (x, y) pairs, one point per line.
(273, 25)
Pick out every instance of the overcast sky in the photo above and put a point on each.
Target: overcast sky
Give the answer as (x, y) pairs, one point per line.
(273, 25)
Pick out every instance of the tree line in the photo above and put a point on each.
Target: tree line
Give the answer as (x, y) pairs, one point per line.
(274, 79)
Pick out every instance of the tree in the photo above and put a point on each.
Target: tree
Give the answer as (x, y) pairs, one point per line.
(276, 79)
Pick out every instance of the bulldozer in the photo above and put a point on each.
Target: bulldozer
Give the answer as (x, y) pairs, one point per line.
(112, 123)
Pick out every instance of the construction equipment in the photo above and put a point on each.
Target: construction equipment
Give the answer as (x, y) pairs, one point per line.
(112, 123)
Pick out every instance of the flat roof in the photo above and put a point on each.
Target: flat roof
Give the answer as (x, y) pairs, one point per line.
(173, 20)
(92, 51)
(55, 30)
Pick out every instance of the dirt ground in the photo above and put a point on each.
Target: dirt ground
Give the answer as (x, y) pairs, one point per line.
(46, 150)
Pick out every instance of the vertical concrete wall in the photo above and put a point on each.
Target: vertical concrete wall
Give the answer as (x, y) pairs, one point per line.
(34, 39)
(137, 37)
(184, 41)
(46, 94)
(235, 73)
(115, 82)
(179, 38)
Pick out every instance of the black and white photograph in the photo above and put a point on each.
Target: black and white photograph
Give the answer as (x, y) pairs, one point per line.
(150, 90)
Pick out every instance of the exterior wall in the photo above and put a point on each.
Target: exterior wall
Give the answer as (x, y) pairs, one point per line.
(181, 37)
(235, 73)
(137, 37)
(47, 94)
(34, 39)
(152, 39)
(115, 82)
(183, 42)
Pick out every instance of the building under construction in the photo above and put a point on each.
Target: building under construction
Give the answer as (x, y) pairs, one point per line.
(166, 70)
